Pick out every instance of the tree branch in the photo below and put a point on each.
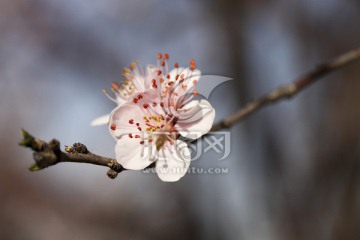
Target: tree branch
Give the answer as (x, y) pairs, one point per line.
(288, 91)
(49, 154)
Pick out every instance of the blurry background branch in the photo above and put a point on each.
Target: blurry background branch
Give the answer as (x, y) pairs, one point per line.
(48, 154)
(289, 90)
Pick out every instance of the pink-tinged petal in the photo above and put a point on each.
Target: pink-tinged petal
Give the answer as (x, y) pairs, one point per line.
(190, 79)
(149, 75)
(129, 118)
(120, 100)
(195, 119)
(138, 78)
(173, 161)
(100, 120)
(133, 155)
(184, 82)
(123, 120)
(173, 73)
(139, 82)
(151, 71)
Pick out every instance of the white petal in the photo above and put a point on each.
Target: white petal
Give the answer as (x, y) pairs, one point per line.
(121, 100)
(121, 115)
(133, 155)
(101, 120)
(195, 119)
(173, 161)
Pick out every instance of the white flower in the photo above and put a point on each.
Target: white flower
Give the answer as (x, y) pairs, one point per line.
(147, 127)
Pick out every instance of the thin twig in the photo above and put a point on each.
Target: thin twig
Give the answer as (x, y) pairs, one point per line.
(48, 154)
(288, 91)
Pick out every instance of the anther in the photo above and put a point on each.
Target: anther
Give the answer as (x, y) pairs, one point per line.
(145, 105)
(131, 121)
(115, 85)
(113, 127)
(166, 56)
(159, 56)
(132, 66)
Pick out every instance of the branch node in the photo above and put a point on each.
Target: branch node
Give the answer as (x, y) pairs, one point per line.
(112, 174)
(76, 148)
(115, 166)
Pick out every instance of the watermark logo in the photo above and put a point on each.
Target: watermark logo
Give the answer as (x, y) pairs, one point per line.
(190, 170)
(215, 143)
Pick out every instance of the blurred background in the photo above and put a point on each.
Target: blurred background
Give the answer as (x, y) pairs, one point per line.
(293, 170)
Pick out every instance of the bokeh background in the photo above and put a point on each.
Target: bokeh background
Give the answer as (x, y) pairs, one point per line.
(293, 169)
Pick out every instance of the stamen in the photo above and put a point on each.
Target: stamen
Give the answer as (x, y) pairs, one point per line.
(166, 57)
(192, 65)
(107, 95)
